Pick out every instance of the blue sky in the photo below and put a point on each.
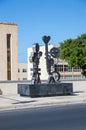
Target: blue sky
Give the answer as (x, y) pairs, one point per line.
(61, 19)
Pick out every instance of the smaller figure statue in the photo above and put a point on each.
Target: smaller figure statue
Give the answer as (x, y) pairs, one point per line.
(34, 58)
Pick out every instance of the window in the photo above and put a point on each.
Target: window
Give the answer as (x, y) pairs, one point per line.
(8, 40)
(77, 69)
(65, 67)
(8, 57)
(18, 70)
(24, 70)
(60, 68)
(69, 69)
(67, 77)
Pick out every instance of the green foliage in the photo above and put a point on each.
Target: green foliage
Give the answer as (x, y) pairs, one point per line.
(74, 51)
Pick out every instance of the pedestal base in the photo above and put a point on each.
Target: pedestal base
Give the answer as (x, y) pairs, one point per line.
(37, 90)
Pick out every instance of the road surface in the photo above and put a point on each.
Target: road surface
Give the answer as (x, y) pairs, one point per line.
(68, 117)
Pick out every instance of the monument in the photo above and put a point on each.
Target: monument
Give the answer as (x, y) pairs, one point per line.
(53, 86)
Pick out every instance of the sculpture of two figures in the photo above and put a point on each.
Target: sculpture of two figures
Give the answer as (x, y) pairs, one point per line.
(54, 75)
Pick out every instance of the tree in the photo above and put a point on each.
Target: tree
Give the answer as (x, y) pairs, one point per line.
(74, 52)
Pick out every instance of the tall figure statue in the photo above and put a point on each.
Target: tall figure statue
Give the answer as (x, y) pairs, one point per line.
(54, 75)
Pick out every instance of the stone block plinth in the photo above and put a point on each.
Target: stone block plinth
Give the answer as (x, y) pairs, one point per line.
(37, 90)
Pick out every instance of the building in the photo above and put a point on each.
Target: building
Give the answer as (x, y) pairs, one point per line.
(67, 72)
(8, 51)
(22, 71)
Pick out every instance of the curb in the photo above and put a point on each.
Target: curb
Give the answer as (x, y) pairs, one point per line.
(37, 105)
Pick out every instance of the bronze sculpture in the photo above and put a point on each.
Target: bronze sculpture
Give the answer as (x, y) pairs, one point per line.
(54, 75)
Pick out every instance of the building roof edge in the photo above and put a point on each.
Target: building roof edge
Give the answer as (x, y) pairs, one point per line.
(8, 23)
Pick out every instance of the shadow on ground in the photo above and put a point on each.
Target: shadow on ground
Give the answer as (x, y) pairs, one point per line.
(17, 101)
(24, 102)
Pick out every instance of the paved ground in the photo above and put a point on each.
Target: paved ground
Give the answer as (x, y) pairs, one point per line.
(17, 102)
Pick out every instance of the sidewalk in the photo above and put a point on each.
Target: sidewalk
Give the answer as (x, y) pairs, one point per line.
(8, 102)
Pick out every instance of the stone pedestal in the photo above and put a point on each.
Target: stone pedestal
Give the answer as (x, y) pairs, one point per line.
(37, 90)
